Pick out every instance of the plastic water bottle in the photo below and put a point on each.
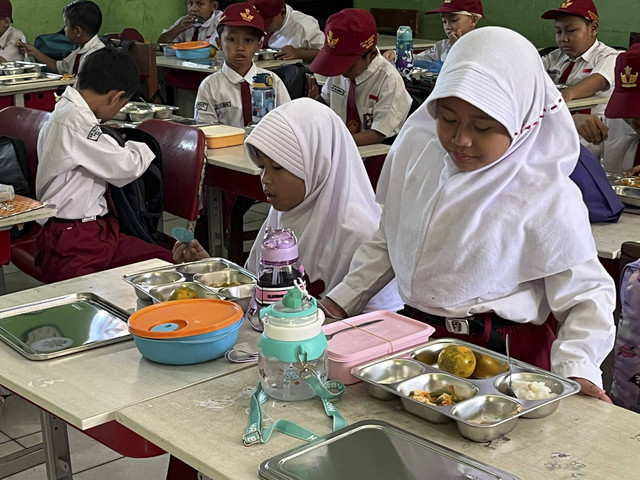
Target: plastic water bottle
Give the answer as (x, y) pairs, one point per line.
(404, 48)
(262, 96)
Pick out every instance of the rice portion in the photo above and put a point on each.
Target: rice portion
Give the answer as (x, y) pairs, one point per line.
(532, 390)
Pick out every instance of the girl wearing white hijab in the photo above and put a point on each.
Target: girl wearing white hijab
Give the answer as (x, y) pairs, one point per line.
(481, 220)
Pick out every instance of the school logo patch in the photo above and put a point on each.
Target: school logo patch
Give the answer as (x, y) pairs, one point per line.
(368, 121)
(218, 106)
(337, 89)
(95, 133)
(202, 106)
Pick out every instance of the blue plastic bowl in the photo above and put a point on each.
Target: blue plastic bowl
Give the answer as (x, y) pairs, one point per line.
(193, 54)
(189, 350)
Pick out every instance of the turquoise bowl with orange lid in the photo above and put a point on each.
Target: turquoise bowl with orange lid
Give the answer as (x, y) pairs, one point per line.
(183, 332)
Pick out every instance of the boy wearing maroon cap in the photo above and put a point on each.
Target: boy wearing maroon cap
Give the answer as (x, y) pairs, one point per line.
(581, 61)
(364, 89)
(225, 96)
(9, 36)
(295, 34)
(458, 17)
(200, 23)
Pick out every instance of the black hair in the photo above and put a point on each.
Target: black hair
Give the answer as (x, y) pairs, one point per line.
(220, 30)
(84, 14)
(109, 69)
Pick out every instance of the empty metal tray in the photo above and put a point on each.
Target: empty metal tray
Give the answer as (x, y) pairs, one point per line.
(63, 325)
(376, 450)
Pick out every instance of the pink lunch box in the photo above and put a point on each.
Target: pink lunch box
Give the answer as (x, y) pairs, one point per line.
(359, 339)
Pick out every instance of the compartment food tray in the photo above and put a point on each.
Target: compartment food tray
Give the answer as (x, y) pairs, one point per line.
(201, 272)
(487, 410)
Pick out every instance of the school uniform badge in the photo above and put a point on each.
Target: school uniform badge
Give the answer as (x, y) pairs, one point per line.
(95, 133)
(337, 89)
(202, 106)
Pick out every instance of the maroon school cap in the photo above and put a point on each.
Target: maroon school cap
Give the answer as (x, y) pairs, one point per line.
(448, 6)
(242, 15)
(348, 34)
(5, 9)
(582, 8)
(625, 99)
(268, 9)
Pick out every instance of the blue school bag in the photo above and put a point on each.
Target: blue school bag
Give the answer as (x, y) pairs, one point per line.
(625, 386)
(54, 45)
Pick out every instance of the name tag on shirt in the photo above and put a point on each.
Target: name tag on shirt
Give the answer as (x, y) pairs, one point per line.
(219, 106)
(337, 89)
(95, 133)
(202, 106)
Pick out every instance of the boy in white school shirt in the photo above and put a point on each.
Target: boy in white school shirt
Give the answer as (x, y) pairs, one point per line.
(9, 36)
(82, 22)
(364, 89)
(582, 62)
(293, 33)
(200, 23)
(225, 96)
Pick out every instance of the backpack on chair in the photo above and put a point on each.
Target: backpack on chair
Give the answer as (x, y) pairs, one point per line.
(139, 204)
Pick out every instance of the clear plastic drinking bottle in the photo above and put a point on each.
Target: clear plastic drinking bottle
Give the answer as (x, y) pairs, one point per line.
(404, 48)
(262, 96)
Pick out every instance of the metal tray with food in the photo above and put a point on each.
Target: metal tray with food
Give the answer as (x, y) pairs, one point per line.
(628, 195)
(376, 450)
(63, 325)
(479, 402)
(28, 78)
(215, 277)
(140, 111)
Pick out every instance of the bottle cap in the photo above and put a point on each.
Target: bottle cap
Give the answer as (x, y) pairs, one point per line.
(262, 80)
(404, 33)
(279, 246)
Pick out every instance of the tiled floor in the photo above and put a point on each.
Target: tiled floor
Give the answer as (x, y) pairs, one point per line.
(90, 460)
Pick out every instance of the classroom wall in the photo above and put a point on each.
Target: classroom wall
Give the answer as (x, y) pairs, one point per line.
(617, 18)
(148, 16)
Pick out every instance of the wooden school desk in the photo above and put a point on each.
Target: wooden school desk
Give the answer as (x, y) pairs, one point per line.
(587, 102)
(230, 170)
(85, 389)
(609, 237)
(584, 438)
(38, 95)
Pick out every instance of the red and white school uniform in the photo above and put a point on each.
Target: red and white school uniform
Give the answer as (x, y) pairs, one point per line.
(381, 97)
(207, 32)
(512, 237)
(437, 52)
(298, 30)
(76, 163)
(69, 65)
(8, 49)
(219, 98)
(598, 59)
(620, 150)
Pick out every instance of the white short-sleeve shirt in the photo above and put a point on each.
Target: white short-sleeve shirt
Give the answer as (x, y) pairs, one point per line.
(381, 98)
(619, 150)
(77, 161)
(598, 59)
(299, 31)
(219, 98)
(8, 48)
(66, 64)
(438, 52)
(208, 30)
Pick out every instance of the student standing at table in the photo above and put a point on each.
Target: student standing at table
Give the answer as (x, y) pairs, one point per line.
(225, 96)
(582, 62)
(364, 89)
(293, 33)
(9, 36)
(82, 22)
(76, 165)
(481, 226)
(458, 17)
(200, 23)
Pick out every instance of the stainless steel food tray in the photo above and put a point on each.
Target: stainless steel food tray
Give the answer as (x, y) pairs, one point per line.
(487, 410)
(628, 195)
(63, 325)
(201, 272)
(376, 450)
(21, 80)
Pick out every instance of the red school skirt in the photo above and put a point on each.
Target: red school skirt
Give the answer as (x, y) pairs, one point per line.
(71, 248)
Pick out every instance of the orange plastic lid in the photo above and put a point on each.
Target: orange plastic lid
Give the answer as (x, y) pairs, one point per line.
(190, 45)
(184, 318)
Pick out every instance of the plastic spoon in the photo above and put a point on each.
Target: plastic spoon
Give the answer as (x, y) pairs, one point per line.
(182, 235)
(509, 387)
(370, 322)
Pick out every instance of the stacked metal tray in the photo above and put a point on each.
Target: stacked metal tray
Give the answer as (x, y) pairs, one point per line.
(485, 412)
(210, 278)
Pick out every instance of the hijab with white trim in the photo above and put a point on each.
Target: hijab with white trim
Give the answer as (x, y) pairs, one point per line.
(339, 211)
(459, 237)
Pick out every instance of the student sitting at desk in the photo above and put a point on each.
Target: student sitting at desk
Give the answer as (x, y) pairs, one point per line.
(82, 21)
(225, 96)
(76, 165)
(200, 23)
(293, 33)
(619, 133)
(9, 36)
(458, 17)
(582, 62)
(364, 89)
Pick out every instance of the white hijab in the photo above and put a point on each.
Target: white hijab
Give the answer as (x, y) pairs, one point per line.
(455, 237)
(339, 211)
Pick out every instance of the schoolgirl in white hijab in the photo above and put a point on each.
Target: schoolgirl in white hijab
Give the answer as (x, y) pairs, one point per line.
(338, 211)
(464, 236)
